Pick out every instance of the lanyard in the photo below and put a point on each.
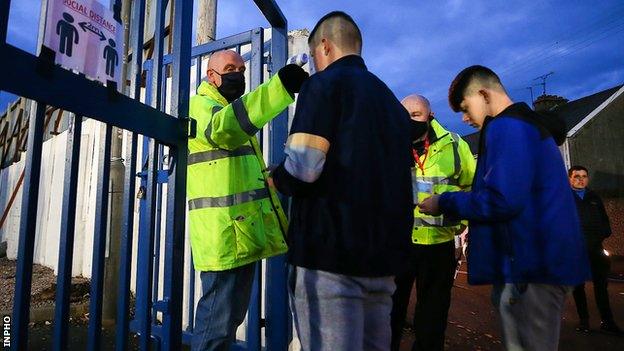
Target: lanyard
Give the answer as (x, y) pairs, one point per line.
(420, 164)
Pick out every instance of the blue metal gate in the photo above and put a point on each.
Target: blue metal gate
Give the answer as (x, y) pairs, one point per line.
(37, 78)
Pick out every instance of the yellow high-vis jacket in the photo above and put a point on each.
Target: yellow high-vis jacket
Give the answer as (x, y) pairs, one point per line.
(448, 166)
(234, 218)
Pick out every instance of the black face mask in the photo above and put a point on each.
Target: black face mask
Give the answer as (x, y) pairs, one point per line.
(232, 85)
(418, 129)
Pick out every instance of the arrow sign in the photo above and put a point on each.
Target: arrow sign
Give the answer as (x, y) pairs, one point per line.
(93, 29)
(86, 37)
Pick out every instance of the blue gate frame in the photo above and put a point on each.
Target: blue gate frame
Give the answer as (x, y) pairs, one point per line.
(37, 78)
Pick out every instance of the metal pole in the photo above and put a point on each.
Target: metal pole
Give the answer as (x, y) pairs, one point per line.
(117, 173)
(206, 21)
(206, 32)
(111, 268)
(126, 70)
(42, 24)
(531, 90)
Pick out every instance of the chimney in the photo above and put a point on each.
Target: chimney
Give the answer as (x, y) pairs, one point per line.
(548, 102)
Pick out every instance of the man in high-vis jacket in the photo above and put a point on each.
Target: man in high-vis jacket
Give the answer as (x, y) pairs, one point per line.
(442, 162)
(235, 219)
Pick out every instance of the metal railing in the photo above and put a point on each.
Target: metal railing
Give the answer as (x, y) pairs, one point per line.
(38, 79)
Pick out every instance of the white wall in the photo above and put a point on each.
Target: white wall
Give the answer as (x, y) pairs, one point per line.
(8, 180)
(50, 201)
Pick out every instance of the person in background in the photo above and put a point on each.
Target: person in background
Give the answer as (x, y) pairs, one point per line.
(596, 227)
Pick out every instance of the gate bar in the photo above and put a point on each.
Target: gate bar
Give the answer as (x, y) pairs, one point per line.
(277, 312)
(232, 41)
(157, 66)
(225, 43)
(28, 228)
(127, 229)
(176, 189)
(94, 332)
(68, 225)
(5, 7)
(157, 233)
(254, 326)
(146, 242)
(272, 12)
(144, 220)
(118, 110)
(145, 252)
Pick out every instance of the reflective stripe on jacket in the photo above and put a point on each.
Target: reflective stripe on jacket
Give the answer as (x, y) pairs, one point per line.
(450, 166)
(234, 218)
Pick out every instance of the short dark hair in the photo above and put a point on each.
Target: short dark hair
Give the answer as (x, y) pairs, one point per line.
(457, 90)
(576, 168)
(340, 28)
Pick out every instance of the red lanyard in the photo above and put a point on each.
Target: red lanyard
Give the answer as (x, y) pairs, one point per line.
(420, 164)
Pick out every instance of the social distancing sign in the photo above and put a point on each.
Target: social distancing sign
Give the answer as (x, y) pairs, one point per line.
(85, 37)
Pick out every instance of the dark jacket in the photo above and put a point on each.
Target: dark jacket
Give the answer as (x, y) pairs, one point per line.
(523, 223)
(594, 219)
(356, 218)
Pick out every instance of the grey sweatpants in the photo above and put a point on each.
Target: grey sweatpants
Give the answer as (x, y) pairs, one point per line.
(339, 312)
(530, 315)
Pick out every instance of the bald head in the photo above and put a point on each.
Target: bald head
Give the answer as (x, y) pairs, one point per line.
(418, 107)
(222, 62)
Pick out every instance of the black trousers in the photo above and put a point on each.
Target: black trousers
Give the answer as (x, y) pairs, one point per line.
(433, 268)
(600, 267)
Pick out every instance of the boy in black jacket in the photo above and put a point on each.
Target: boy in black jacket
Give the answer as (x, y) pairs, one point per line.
(347, 169)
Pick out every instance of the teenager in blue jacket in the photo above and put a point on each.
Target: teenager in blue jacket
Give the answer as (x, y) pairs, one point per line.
(525, 236)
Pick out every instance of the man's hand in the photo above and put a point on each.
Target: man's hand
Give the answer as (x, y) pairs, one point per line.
(430, 206)
(292, 76)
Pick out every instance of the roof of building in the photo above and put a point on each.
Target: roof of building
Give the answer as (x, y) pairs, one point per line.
(473, 141)
(572, 113)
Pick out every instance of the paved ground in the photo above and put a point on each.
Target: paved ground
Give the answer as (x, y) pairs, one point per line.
(43, 286)
(473, 324)
(40, 337)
